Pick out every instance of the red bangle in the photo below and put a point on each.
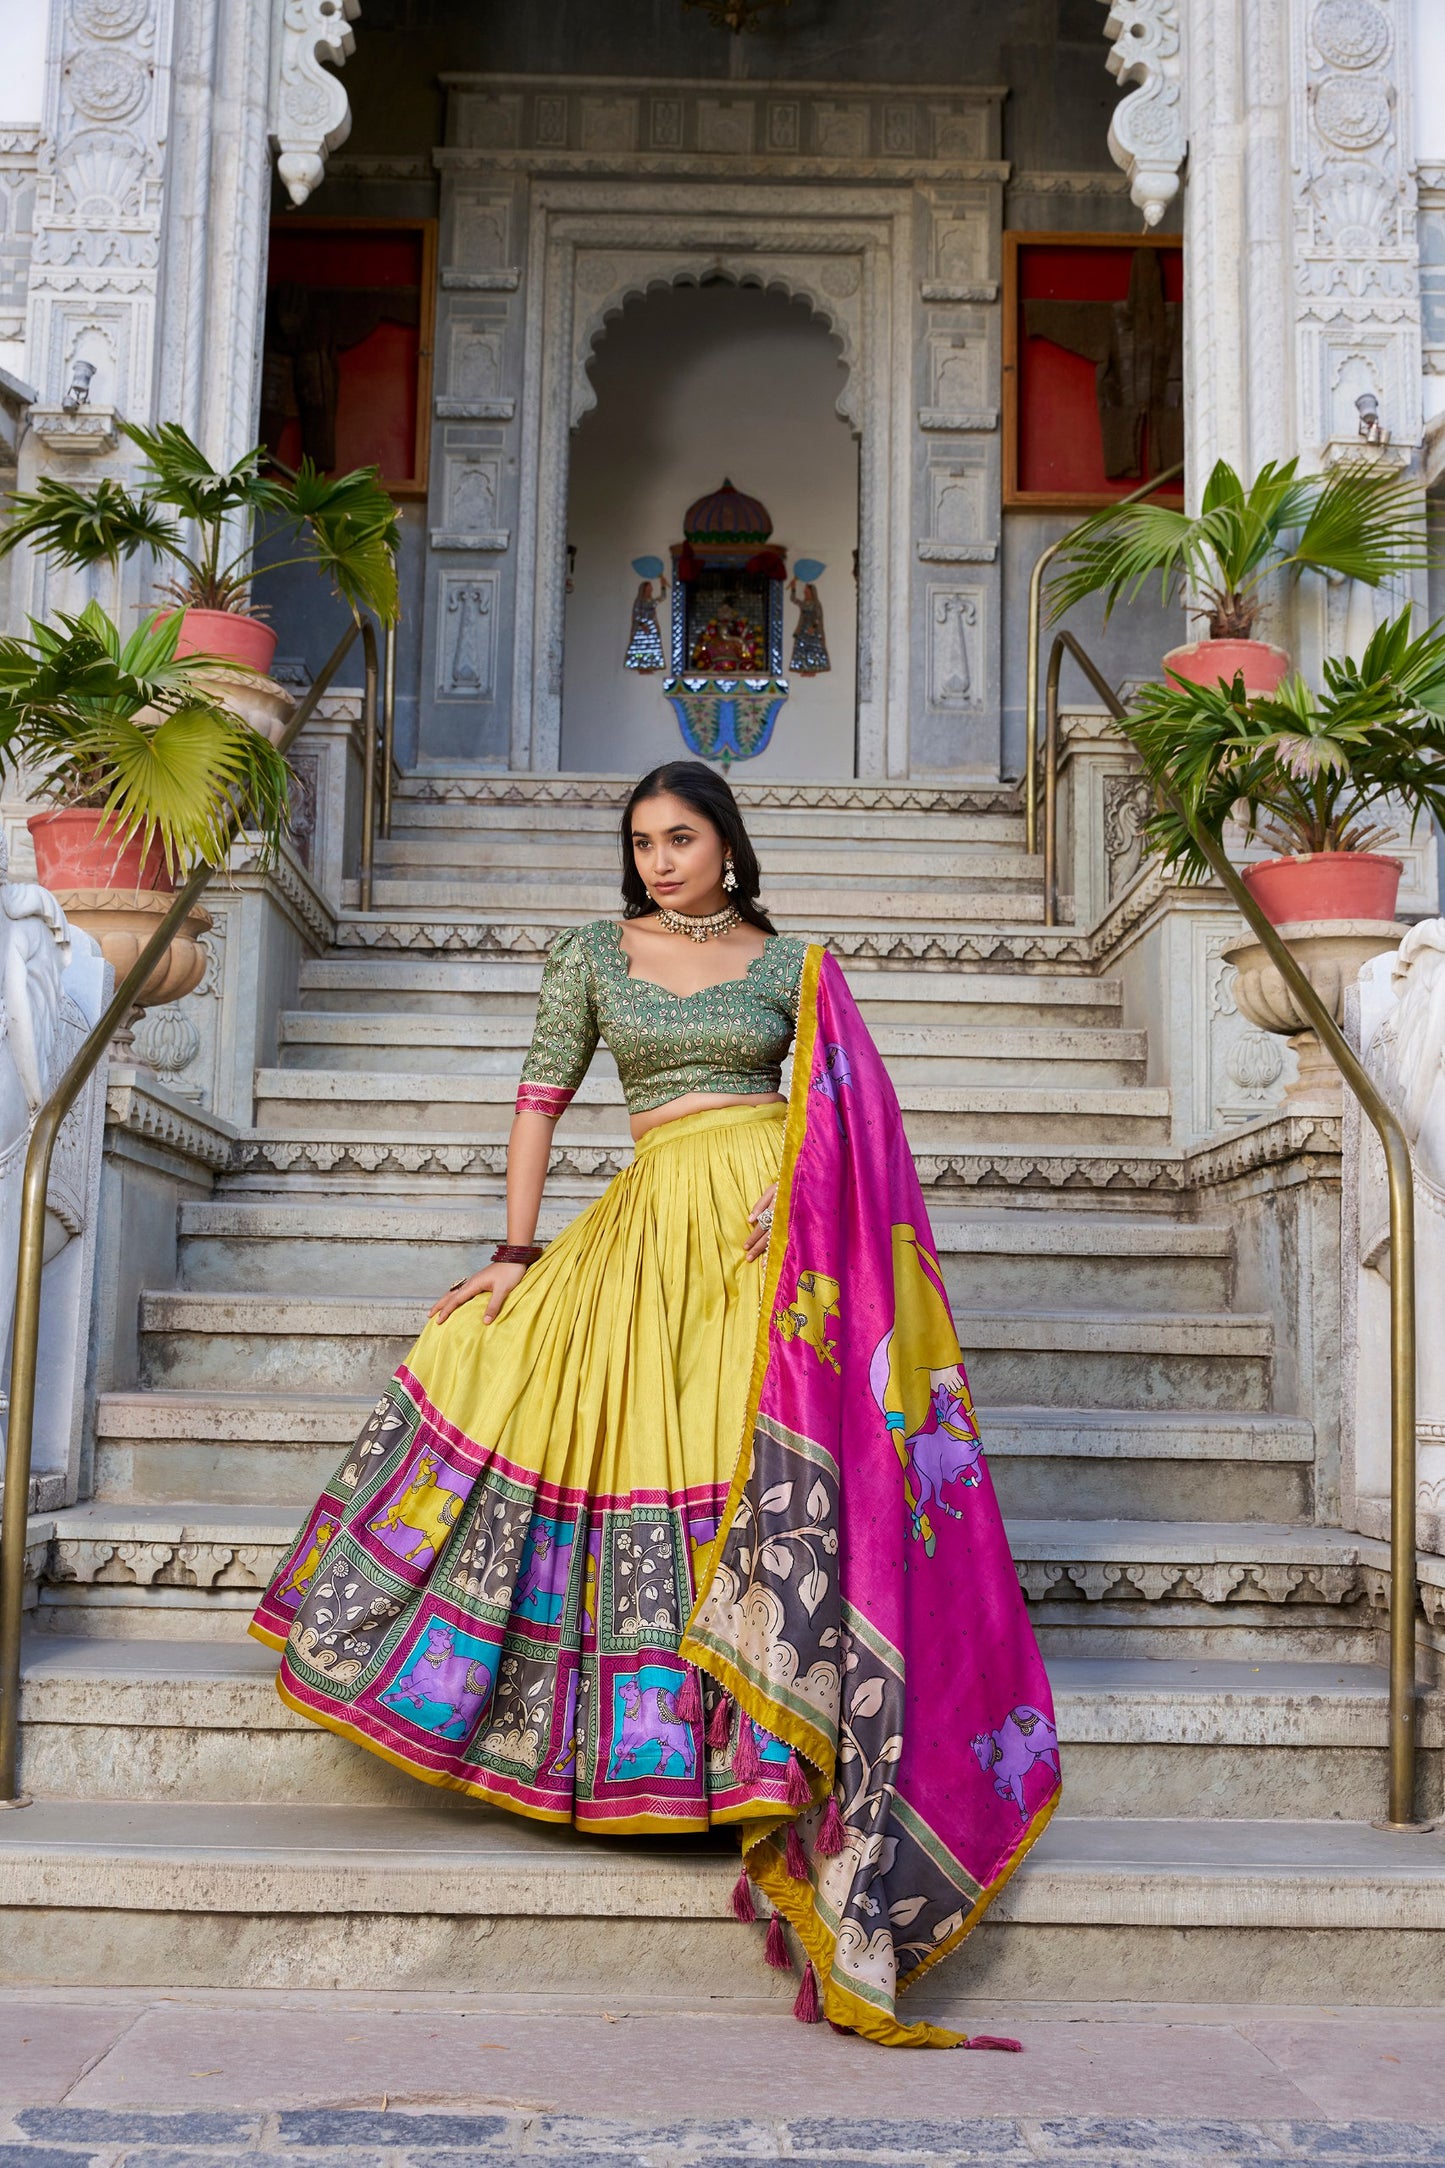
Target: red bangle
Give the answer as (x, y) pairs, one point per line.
(517, 1253)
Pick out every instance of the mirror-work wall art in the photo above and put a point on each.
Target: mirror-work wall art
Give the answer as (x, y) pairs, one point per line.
(729, 580)
(1093, 367)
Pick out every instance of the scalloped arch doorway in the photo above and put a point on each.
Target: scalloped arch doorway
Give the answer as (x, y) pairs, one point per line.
(691, 380)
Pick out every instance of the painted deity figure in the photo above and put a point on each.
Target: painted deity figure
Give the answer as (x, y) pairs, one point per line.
(810, 646)
(644, 641)
(726, 643)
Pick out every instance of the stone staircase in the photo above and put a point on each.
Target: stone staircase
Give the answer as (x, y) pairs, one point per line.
(1216, 1651)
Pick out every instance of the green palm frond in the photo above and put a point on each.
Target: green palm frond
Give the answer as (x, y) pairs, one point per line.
(178, 473)
(1364, 525)
(346, 525)
(1357, 521)
(86, 527)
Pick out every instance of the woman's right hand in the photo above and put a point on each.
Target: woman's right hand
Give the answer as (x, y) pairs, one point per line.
(494, 1280)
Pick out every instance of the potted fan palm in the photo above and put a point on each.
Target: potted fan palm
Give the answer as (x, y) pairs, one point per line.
(1357, 522)
(1308, 773)
(145, 773)
(210, 523)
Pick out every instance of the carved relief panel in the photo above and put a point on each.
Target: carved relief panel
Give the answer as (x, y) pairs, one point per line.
(1356, 265)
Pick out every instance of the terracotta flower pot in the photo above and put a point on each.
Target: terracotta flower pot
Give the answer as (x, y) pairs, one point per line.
(77, 847)
(1326, 885)
(1207, 662)
(225, 633)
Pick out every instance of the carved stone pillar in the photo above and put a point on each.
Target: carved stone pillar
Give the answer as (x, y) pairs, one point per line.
(1302, 291)
(146, 276)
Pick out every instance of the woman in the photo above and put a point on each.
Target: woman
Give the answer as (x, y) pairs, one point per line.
(682, 1519)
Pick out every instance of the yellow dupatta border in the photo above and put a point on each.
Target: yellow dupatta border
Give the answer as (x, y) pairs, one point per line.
(795, 1901)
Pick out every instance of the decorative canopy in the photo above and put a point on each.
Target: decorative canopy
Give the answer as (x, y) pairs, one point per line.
(727, 516)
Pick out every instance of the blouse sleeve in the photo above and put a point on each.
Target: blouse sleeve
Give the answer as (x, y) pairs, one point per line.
(565, 1036)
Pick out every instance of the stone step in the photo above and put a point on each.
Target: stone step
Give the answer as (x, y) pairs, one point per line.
(390, 1248)
(565, 855)
(478, 1106)
(1132, 1177)
(1060, 1358)
(583, 792)
(163, 1447)
(191, 1547)
(423, 1897)
(567, 901)
(915, 1053)
(903, 829)
(454, 987)
(136, 1720)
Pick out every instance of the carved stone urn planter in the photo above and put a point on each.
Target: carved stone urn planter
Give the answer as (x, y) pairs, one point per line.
(258, 700)
(122, 920)
(119, 894)
(1330, 952)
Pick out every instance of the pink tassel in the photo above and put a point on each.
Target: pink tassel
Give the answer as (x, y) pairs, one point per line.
(743, 1907)
(995, 2040)
(720, 1723)
(745, 1755)
(833, 1835)
(807, 2009)
(796, 1789)
(775, 1949)
(689, 1700)
(795, 1856)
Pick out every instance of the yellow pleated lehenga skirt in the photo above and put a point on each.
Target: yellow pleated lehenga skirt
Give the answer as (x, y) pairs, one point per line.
(491, 1591)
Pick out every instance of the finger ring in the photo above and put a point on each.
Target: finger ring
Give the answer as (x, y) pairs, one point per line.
(459, 1283)
(765, 1219)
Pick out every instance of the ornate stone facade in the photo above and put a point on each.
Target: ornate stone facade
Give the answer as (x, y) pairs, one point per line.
(880, 208)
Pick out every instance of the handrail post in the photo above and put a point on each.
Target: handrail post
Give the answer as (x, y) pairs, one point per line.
(1403, 1727)
(368, 769)
(25, 1332)
(388, 722)
(1031, 696)
(1044, 559)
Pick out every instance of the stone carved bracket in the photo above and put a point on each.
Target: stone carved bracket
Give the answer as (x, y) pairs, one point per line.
(310, 115)
(1146, 133)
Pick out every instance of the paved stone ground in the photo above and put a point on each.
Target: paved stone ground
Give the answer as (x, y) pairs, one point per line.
(143, 2080)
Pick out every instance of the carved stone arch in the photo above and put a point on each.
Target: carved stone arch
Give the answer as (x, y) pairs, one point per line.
(844, 253)
(788, 278)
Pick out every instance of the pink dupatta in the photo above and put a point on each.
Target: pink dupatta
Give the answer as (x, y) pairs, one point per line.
(860, 1601)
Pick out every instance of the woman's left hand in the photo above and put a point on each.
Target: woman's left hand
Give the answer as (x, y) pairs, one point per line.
(758, 1243)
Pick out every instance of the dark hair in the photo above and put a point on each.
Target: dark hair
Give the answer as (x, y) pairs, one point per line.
(708, 794)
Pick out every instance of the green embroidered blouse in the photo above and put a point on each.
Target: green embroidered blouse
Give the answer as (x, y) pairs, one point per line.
(727, 1038)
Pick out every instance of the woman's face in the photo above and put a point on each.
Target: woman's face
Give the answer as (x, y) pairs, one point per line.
(679, 855)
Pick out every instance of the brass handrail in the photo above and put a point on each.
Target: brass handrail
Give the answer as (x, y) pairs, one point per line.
(1044, 559)
(1403, 1727)
(25, 1334)
(368, 773)
(388, 722)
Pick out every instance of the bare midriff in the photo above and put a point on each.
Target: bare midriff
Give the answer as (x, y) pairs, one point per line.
(672, 1110)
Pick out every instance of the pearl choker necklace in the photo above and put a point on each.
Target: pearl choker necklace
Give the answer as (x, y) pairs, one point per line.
(699, 929)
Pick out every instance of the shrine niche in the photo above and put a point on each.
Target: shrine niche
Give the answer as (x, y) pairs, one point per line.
(729, 581)
(346, 369)
(1093, 367)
